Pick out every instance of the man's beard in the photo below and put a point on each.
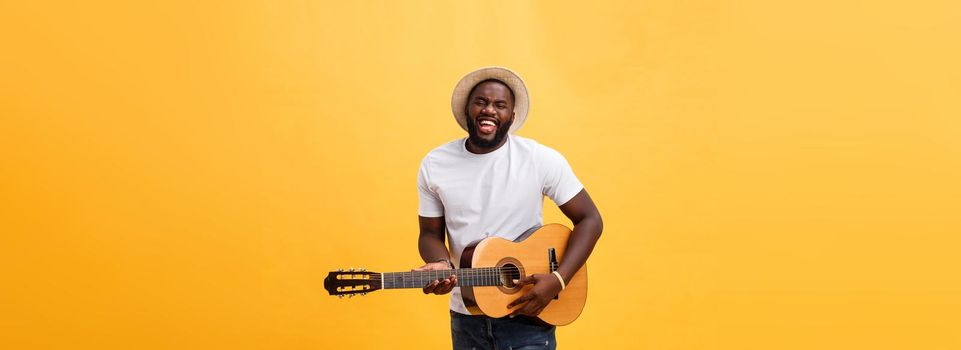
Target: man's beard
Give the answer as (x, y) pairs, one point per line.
(474, 135)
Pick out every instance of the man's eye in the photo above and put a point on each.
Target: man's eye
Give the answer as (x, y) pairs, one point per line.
(479, 103)
(501, 105)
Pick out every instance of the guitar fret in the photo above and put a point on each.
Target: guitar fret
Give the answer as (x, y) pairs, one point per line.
(468, 277)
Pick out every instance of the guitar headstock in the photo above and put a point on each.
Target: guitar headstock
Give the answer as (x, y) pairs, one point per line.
(351, 282)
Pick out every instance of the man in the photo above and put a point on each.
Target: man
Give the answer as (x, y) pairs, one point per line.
(493, 183)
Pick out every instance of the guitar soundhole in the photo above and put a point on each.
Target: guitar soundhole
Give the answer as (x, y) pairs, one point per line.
(509, 273)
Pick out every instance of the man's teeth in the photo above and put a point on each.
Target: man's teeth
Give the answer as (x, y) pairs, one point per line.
(487, 122)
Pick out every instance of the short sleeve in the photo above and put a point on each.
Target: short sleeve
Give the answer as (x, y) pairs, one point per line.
(429, 204)
(557, 177)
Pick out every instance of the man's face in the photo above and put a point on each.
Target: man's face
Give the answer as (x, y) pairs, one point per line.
(490, 112)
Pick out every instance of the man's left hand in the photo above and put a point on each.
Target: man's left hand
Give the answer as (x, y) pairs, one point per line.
(546, 287)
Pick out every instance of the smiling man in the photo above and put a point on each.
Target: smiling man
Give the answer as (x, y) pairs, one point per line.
(493, 183)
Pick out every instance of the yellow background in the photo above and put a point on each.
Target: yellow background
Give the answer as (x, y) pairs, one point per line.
(772, 175)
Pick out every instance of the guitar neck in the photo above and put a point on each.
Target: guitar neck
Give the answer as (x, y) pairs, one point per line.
(485, 276)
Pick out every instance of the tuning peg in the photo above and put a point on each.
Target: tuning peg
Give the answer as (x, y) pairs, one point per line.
(350, 296)
(340, 296)
(351, 269)
(340, 270)
(362, 269)
(363, 293)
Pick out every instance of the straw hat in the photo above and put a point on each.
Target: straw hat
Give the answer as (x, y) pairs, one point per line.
(522, 101)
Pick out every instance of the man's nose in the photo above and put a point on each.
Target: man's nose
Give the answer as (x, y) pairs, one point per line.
(489, 109)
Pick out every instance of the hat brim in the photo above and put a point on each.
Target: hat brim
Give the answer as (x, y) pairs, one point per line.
(458, 102)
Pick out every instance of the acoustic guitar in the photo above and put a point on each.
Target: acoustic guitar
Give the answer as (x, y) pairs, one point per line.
(486, 277)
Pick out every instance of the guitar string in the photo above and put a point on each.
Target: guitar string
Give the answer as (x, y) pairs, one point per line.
(471, 272)
(469, 269)
(476, 274)
(468, 272)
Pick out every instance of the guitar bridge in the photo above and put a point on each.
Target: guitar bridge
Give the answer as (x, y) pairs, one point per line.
(552, 263)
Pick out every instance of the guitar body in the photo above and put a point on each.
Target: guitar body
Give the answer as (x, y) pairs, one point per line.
(529, 256)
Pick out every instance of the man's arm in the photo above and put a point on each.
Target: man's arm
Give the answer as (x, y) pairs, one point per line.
(432, 250)
(587, 230)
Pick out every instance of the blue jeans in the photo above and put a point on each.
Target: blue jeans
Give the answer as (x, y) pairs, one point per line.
(482, 332)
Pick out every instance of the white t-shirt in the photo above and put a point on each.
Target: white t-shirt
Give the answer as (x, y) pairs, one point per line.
(500, 193)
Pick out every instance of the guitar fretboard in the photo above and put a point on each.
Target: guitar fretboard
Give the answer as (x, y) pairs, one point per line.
(484, 276)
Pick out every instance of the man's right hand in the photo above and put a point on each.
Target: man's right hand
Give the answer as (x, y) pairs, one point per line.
(438, 287)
